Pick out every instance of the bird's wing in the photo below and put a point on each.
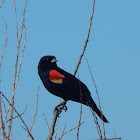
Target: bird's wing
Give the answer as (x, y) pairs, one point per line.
(56, 77)
(74, 86)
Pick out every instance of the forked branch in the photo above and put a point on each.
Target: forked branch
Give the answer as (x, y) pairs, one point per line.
(18, 115)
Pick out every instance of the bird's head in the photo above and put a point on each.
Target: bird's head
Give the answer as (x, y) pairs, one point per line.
(47, 63)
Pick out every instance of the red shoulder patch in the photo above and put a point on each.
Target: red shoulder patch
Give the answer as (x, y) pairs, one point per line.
(55, 75)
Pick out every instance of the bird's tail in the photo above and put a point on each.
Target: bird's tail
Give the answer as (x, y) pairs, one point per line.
(94, 107)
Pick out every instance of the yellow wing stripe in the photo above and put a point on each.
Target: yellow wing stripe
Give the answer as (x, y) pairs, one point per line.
(57, 81)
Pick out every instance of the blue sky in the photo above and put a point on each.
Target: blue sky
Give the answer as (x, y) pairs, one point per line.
(59, 28)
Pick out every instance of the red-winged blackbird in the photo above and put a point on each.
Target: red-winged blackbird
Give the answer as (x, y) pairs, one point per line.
(64, 84)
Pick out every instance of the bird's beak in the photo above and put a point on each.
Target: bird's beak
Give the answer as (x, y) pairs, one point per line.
(54, 60)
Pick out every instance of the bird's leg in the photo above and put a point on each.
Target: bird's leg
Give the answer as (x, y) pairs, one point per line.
(61, 106)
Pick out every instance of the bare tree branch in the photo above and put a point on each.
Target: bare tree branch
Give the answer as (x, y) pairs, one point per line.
(16, 65)
(2, 3)
(56, 112)
(56, 128)
(23, 22)
(16, 21)
(80, 109)
(85, 45)
(22, 54)
(5, 43)
(96, 122)
(2, 123)
(18, 115)
(3, 104)
(69, 130)
(34, 115)
(111, 139)
(63, 132)
(97, 96)
(46, 122)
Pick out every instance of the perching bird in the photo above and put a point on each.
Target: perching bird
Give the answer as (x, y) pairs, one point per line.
(64, 84)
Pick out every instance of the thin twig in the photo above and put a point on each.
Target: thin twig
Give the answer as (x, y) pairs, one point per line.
(46, 121)
(18, 115)
(63, 132)
(3, 104)
(12, 99)
(56, 128)
(80, 109)
(69, 130)
(97, 96)
(12, 135)
(16, 65)
(96, 122)
(111, 139)
(34, 115)
(56, 114)
(21, 56)
(2, 3)
(23, 22)
(85, 45)
(2, 123)
(11, 116)
(6, 37)
(4, 52)
(16, 20)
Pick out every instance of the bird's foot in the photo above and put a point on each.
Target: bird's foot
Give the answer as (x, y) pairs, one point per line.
(61, 106)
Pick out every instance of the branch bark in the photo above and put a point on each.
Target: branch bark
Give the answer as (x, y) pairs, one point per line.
(56, 114)
(57, 111)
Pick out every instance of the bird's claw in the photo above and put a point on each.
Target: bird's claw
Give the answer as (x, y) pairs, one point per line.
(60, 107)
(65, 108)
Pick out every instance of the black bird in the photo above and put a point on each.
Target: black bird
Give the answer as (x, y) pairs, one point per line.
(64, 84)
